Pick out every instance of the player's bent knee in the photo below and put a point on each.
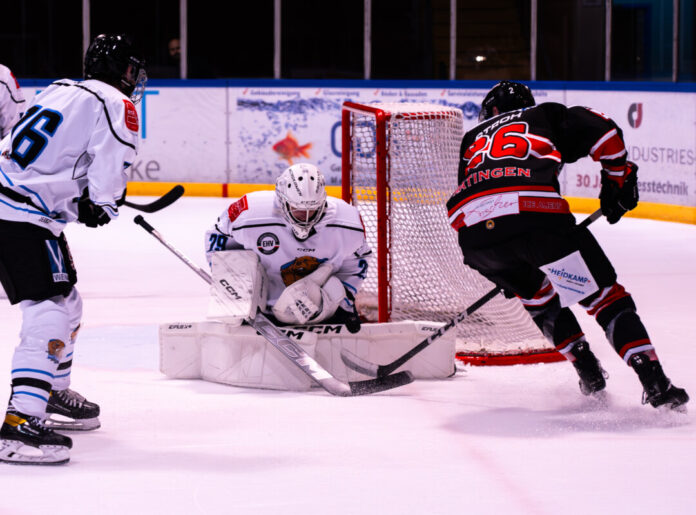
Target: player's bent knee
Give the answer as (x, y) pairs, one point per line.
(44, 321)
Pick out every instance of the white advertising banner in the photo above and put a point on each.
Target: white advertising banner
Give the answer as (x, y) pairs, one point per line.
(659, 129)
(273, 128)
(231, 134)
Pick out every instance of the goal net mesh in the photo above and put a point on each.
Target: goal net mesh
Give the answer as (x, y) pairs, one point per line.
(426, 277)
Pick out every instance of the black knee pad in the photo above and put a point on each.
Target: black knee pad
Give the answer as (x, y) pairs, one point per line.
(557, 323)
(609, 314)
(626, 327)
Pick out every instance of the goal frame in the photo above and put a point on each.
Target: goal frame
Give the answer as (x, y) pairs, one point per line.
(382, 192)
(383, 228)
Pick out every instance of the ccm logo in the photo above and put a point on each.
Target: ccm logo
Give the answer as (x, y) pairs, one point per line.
(233, 293)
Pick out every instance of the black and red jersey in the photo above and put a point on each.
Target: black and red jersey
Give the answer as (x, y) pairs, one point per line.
(509, 166)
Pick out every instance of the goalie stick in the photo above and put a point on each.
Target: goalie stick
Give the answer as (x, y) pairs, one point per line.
(296, 354)
(368, 368)
(165, 200)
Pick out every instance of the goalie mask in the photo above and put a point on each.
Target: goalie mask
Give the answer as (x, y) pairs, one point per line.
(506, 96)
(110, 58)
(302, 197)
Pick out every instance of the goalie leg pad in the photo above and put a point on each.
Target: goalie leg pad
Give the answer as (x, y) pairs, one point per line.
(238, 356)
(224, 353)
(383, 343)
(246, 359)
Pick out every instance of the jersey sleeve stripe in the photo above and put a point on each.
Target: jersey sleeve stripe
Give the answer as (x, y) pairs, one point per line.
(31, 192)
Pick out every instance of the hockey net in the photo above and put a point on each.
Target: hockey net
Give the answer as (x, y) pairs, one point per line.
(399, 167)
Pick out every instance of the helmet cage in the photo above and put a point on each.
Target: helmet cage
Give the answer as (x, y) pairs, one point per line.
(138, 85)
(301, 194)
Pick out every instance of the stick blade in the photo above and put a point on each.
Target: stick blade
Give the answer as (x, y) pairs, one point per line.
(381, 383)
(168, 198)
(355, 362)
(165, 200)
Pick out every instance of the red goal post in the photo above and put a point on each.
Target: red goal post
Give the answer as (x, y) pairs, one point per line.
(399, 167)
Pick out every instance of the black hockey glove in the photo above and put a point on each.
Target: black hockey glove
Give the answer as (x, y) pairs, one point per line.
(348, 318)
(91, 214)
(617, 200)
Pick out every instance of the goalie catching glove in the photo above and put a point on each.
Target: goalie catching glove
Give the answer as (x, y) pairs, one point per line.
(314, 298)
(619, 192)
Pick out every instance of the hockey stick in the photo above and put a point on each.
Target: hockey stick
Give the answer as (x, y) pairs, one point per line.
(288, 347)
(165, 200)
(368, 368)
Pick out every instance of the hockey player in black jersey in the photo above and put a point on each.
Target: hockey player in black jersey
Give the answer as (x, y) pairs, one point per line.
(515, 228)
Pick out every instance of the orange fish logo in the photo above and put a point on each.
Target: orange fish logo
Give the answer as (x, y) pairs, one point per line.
(288, 148)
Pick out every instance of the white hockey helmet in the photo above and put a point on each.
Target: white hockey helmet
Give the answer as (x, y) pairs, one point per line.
(301, 193)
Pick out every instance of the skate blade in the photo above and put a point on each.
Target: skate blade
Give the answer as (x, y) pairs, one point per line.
(16, 453)
(62, 423)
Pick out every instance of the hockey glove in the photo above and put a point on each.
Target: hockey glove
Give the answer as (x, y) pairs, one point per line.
(91, 214)
(348, 318)
(619, 194)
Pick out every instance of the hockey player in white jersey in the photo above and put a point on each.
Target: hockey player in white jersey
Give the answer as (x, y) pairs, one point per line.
(11, 101)
(312, 247)
(64, 161)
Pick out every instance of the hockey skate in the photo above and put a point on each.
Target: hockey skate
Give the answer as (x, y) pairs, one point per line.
(592, 375)
(26, 440)
(657, 388)
(68, 410)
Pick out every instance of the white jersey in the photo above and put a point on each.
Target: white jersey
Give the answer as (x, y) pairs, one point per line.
(256, 222)
(11, 101)
(74, 135)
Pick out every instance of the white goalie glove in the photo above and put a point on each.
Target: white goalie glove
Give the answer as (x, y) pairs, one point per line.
(314, 298)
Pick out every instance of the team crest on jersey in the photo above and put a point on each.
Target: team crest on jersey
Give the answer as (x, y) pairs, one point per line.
(55, 350)
(131, 116)
(236, 208)
(298, 268)
(268, 243)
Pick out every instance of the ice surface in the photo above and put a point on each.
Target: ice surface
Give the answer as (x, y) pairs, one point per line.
(511, 440)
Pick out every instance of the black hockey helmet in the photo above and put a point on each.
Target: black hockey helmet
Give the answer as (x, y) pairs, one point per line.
(506, 96)
(111, 59)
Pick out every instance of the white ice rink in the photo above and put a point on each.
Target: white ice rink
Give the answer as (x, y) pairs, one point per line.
(511, 440)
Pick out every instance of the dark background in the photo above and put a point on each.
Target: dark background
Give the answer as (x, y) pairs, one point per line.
(323, 39)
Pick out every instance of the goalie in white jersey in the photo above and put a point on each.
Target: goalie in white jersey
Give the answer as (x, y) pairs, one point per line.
(64, 161)
(311, 247)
